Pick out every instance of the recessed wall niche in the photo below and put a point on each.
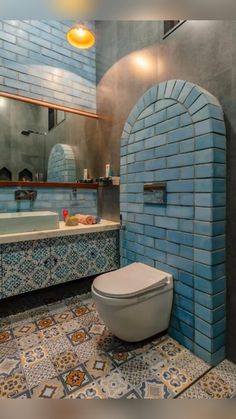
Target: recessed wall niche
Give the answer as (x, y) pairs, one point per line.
(5, 174)
(25, 175)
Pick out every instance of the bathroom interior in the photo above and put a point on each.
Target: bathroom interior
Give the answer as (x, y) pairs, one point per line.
(117, 205)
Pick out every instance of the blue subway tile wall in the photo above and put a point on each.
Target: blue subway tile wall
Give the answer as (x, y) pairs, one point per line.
(176, 134)
(38, 62)
(52, 199)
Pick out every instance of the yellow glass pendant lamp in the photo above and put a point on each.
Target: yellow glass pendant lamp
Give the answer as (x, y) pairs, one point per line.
(80, 36)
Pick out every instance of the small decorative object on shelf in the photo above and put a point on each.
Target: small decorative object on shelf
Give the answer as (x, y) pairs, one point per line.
(155, 193)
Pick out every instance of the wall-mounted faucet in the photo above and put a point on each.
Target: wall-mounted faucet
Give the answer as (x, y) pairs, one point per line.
(28, 195)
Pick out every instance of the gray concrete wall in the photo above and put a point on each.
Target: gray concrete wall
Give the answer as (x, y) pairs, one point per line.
(131, 57)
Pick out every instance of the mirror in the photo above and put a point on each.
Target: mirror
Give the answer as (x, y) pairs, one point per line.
(42, 144)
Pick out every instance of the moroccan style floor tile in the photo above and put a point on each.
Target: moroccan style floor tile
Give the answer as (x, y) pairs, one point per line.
(51, 332)
(114, 385)
(120, 355)
(45, 322)
(65, 361)
(9, 365)
(57, 345)
(12, 385)
(75, 378)
(42, 371)
(50, 389)
(135, 371)
(64, 316)
(78, 337)
(81, 311)
(8, 348)
(62, 349)
(5, 336)
(25, 329)
(90, 391)
(29, 341)
(33, 356)
(174, 378)
(153, 388)
(99, 366)
(215, 387)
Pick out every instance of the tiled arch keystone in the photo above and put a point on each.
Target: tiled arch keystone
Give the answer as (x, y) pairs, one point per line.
(176, 134)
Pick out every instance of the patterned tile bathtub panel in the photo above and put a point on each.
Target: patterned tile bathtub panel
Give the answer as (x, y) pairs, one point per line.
(31, 265)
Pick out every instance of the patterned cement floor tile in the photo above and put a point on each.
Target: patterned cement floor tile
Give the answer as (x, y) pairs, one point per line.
(87, 350)
(194, 392)
(215, 387)
(191, 364)
(24, 395)
(120, 355)
(96, 329)
(9, 348)
(9, 366)
(21, 318)
(70, 326)
(90, 391)
(39, 312)
(78, 337)
(5, 323)
(65, 361)
(33, 355)
(227, 371)
(170, 349)
(12, 385)
(107, 342)
(174, 378)
(25, 329)
(29, 341)
(40, 372)
(153, 359)
(88, 320)
(154, 388)
(51, 332)
(81, 310)
(114, 385)
(99, 366)
(135, 371)
(75, 378)
(63, 316)
(50, 389)
(57, 345)
(6, 336)
(45, 322)
(132, 394)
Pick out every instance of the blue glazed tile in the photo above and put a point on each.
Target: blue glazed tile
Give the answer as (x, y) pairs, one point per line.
(158, 233)
(210, 141)
(167, 174)
(186, 252)
(186, 226)
(155, 164)
(182, 327)
(192, 97)
(210, 287)
(183, 315)
(208, 200)
(186, 278)
(210, 316)
(166, 126)
(155, 118)
(157, 255)
(180, 134)
(181, 338)
(209, 272)
(177, 88)
(210, 358)
(184, 290)
(210, 330)
(175, 110)
(169, 88)
(210, 301)
(180, 263)
(211, 345)
(181, 238)
(187, 172)
(180, 160)
(167, 222)
(180, 212)
(210, 185)
(184, 303)
(209, 243)
(155, 142)
(210, 214)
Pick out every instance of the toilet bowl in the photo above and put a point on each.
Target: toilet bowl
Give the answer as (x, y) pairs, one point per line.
(135, 301)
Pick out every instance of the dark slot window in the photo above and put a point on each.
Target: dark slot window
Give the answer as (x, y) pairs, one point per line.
(170, 26)
(51, 118)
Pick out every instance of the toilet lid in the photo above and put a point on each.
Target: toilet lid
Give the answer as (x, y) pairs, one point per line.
(130, 281)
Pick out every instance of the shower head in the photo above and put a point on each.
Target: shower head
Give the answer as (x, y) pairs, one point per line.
(29, 131)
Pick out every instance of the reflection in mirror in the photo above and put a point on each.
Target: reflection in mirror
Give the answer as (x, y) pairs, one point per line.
(41, 144)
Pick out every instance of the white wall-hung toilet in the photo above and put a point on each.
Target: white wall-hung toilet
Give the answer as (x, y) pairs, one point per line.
(134, 302)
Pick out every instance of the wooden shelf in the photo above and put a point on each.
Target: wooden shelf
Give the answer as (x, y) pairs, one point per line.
(71, 185)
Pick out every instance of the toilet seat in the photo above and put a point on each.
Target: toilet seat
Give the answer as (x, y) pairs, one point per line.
(132, 280)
